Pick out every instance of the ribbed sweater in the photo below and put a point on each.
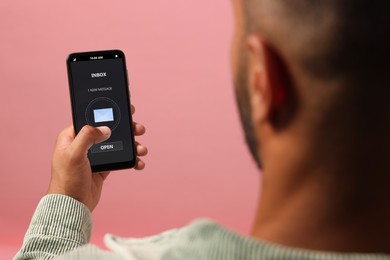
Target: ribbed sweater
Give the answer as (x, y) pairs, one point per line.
(61, 228)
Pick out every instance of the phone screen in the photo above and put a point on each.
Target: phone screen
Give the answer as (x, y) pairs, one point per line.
(100, 97)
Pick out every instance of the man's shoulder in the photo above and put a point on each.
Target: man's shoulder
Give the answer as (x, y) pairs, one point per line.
(201, 239)
(192, 241)
(204, 239)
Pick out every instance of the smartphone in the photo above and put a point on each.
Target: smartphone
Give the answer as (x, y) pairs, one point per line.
(99, 91)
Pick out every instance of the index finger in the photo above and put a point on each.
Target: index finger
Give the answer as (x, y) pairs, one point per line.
(65, 137)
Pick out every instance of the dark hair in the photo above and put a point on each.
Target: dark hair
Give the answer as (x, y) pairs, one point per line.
(346, 39)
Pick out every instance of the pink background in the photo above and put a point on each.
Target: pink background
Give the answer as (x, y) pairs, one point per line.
(178, 61)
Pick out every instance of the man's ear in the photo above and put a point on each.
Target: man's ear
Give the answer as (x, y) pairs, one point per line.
(269, 82)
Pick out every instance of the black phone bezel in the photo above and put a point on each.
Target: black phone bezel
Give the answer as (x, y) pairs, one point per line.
(80, 56)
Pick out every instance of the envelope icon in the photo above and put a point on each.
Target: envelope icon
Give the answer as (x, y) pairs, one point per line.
(103, 115)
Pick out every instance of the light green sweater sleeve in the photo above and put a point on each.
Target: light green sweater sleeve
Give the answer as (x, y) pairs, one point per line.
(55, 230)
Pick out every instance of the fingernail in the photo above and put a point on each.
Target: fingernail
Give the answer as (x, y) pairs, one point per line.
(105, 130)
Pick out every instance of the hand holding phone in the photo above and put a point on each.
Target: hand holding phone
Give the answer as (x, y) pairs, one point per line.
(71, 173)
(100, 97)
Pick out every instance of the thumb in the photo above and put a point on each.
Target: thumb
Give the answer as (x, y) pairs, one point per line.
(87, 137)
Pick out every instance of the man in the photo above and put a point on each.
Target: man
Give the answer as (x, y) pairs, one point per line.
(312, 88)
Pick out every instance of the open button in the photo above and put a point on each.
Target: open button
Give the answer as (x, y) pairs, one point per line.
(107, 147)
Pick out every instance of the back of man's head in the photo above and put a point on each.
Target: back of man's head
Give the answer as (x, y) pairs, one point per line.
(313, 90)
(337, 56)
(328, 39)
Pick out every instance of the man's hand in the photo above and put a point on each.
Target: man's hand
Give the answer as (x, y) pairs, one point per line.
(71, 171)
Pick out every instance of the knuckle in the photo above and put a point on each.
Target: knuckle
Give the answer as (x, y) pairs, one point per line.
(61, 135)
